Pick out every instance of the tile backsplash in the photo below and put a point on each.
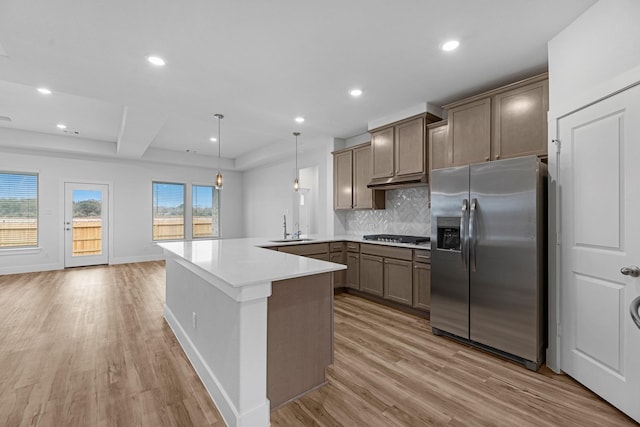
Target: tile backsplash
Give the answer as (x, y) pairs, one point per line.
(407, 212)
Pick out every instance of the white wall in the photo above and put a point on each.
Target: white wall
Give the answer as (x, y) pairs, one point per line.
(130, 188)
(268, 194)
(596, 55)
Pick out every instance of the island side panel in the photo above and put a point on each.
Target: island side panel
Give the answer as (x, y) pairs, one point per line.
(226, 346)
(300, 336)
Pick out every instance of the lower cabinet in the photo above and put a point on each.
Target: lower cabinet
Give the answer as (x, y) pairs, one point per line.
(371, 274)
(353, 265)
(337, 255)
(396, 274)
(422, 286)
(398, 278)
(386, 271)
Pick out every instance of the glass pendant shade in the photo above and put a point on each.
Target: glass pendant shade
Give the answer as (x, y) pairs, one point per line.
(296, 182)
(219, 175)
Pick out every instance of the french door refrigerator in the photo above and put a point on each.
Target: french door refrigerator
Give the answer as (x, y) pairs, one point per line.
(488, 262)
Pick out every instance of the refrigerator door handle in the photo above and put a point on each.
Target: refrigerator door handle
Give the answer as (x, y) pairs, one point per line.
(463, 234)
(472, 231)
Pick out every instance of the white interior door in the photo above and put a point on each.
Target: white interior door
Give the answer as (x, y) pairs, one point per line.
(86, 224)
(600, 235)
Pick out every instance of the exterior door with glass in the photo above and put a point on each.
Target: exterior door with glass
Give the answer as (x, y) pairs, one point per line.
(86, 224)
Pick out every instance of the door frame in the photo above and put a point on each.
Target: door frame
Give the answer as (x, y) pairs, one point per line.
(595, 94)
(62, 207)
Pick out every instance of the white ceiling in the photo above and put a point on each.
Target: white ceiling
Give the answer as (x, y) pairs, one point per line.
(260, 63)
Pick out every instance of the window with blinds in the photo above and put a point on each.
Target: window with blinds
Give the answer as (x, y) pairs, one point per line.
(18, 210)
(204, 209)
(168, 211)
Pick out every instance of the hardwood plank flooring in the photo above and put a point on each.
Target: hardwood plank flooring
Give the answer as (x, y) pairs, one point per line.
(89, 347)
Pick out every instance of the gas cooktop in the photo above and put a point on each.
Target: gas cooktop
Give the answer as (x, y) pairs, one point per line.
(397, 238)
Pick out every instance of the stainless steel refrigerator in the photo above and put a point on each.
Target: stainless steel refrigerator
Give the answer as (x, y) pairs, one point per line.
(488, 258)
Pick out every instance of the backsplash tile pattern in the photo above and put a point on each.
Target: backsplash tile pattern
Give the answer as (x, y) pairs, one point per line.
(407, 212)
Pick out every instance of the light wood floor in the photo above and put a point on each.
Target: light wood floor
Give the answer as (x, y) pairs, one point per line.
(89, 347)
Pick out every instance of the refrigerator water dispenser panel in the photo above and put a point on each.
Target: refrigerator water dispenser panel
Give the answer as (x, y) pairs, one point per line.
(448, 233)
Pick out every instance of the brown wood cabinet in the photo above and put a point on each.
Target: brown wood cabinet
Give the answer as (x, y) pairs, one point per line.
(353, 270)
(399, 152)
(337, 255)
(307, 249)
(520, 121)
(386, 271)
(351, 174)
(398, 279)
(469, 134)
(510, 121)
(343, 180)
(382, 146)
(410, 153)
(422, 279)
(372, 274)
(437, 134)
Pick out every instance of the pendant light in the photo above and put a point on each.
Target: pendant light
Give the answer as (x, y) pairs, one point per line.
(219, 175)
(296, 182)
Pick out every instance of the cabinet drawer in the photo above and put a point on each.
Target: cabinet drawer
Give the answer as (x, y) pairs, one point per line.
(308, 249)
(422, 255)
(336, 246)
(353, 247)
(387, 251)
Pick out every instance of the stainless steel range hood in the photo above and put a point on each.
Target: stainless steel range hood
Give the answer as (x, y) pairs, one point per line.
(414, 180)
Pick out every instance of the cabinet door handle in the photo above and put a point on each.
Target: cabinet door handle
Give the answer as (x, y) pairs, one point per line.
(423, 256)
(497, 156)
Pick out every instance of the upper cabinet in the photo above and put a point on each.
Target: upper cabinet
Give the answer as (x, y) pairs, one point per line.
(343, 179)
(510, 121)
(437, 135)
(399, 153)
(382, 143)
(351, 174)
(469, 136)
(520, 121)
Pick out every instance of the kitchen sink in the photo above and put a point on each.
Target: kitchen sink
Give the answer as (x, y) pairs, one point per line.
(290, 240)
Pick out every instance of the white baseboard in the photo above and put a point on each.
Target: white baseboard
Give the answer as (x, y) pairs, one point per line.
(20, 269)
(132, 259)
(254, 417)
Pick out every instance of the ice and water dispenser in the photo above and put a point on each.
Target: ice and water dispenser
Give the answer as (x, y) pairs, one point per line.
(448, 233)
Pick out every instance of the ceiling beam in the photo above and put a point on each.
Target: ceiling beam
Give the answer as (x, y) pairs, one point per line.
(138, 130)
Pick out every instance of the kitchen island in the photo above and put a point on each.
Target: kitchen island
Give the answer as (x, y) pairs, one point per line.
(257, 325)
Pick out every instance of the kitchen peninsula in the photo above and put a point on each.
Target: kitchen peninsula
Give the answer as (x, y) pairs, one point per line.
(256, 324)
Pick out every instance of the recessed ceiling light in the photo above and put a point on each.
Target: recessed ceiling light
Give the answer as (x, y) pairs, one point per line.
(156, 60)
(450, 45)
(355, 92)
(212, 139)
(299, 119)
(44, 91)
(61, 126)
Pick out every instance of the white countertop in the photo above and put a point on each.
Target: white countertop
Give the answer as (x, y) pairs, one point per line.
(244, 262)
(343, 238)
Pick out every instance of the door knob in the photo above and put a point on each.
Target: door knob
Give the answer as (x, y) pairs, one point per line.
(635, 306)
(632, 270)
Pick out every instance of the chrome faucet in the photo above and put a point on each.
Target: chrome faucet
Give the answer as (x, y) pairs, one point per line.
(285, 226)
(297, 234)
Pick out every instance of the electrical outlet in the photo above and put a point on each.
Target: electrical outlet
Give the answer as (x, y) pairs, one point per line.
(194, 320)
